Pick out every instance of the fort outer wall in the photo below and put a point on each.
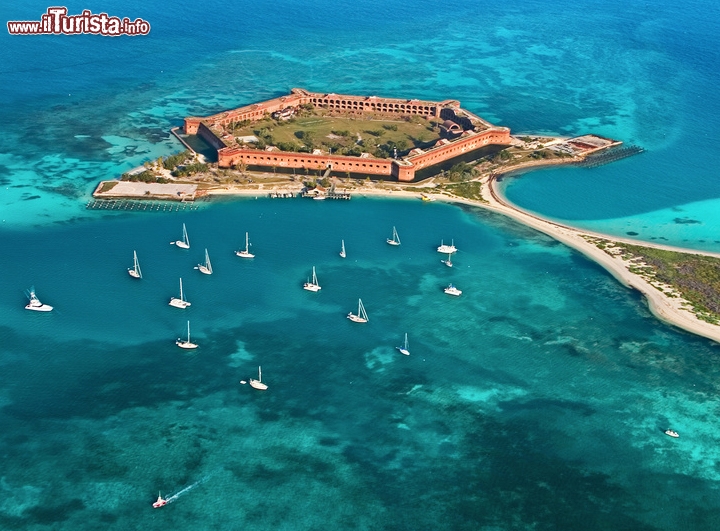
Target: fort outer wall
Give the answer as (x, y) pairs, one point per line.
(334, 102)
(283, 159)
(470, 141)
(402, 170)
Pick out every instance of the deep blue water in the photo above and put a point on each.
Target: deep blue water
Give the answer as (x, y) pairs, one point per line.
(536, 400)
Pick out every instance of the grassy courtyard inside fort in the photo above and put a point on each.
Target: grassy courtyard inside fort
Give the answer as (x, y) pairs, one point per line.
(341, 135)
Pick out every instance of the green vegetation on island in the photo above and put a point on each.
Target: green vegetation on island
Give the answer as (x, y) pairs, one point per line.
(468, 190)
(181, 164)
(693, 277)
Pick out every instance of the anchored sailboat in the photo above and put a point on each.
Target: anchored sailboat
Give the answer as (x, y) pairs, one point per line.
(135, 271)
(185, 242)
(181, 302)
(447, 248)
(405, 348)
(246, 252)
(361, 316)
(35, 303)
(312, 286)
(186, 344)
(205, 268)
(342, 250)
(448, 262)
(395, 238)
(258, 384)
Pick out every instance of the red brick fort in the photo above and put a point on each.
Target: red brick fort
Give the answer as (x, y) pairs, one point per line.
(462, 131)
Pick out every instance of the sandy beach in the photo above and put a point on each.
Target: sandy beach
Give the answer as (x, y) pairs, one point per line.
(669, 309)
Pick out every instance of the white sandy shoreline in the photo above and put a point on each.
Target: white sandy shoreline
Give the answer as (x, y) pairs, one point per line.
(667, 309)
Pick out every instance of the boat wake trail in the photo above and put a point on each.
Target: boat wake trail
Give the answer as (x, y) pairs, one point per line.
(188, 489)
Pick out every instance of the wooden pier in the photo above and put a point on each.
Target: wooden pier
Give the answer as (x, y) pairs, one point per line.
(329, 195)
(610, 155)
(339, 195)
(140, 206)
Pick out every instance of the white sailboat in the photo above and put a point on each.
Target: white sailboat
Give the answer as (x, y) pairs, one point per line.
(35, 304)
(312, 286)
(186, 344)
(258, 384)
(245, 253)
(405, 348)
(361, 316)
(448, 262)
(395, 238)
(135, 271)
(342, 250)
(181, 302)
(452, 290)
(185, 242)
(205, 268)
(447, 248)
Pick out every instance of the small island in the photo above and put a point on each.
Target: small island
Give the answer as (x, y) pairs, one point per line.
(325, 145)
(309, 137)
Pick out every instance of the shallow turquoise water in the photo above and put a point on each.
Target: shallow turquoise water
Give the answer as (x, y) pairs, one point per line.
(536, 400)
(542, 390)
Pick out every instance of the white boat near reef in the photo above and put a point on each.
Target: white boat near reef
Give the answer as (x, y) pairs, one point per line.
(361, 316)
(312, 285)
(205, 268)
(185, 242)
(245, 253)
(452, 290)
(258, 384)
(395, 238)
(34, 303)
(405, 348)
(179, 302)
(135, 270)
(447, 249)
(186, 344)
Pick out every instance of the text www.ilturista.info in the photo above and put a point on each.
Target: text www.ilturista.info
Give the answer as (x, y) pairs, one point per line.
(57, 22)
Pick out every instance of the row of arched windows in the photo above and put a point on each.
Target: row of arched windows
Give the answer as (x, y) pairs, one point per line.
(352, 105)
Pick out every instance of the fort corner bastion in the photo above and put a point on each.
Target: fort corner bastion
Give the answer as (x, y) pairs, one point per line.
(460, 133)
